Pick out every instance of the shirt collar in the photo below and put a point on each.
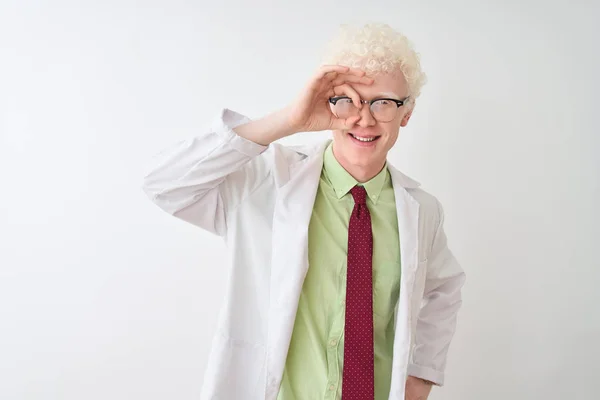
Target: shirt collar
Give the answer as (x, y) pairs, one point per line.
(341, 181)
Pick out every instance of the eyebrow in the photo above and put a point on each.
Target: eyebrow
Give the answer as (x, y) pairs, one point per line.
(387, 95)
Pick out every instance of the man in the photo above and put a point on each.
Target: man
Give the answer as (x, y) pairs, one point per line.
(341, 283)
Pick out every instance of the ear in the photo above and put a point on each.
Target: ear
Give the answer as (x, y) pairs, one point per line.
(406, 117)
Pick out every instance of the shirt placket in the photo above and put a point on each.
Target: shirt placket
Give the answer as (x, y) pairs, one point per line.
(335, 345)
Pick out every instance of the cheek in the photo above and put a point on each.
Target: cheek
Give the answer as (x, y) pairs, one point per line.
(337, 135)
(392, 140)
(391, 132)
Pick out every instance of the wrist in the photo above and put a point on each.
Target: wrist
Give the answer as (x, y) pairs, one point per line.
(421, 380)
(284, 123)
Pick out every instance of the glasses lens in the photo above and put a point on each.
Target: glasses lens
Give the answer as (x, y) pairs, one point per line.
(384, 110)
(344, 108)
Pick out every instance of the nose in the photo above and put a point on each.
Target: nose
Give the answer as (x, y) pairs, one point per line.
(366, 118)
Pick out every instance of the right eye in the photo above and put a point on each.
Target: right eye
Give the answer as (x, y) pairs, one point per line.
(343, 100)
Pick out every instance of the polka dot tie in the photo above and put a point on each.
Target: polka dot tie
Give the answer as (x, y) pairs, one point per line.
(357, 382)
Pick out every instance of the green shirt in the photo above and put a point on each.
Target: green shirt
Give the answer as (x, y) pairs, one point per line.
(313, 367)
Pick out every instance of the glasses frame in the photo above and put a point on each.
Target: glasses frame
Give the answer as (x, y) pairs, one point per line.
(399, 103)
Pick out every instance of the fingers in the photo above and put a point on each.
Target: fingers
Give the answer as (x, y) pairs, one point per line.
(331, 69)
(346, 78)
(347, 90)
(330, 72)
(356, 71)
(348, 123)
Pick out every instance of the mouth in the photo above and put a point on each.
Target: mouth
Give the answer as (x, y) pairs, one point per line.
(364, 140)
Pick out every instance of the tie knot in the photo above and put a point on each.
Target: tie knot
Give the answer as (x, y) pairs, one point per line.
(360, 194)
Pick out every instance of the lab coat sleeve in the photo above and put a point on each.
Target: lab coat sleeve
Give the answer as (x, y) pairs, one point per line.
(201, 178)
(441, 301)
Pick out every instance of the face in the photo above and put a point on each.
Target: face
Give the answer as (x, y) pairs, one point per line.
(372, 155)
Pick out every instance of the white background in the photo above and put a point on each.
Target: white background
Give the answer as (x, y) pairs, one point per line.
(104, 296)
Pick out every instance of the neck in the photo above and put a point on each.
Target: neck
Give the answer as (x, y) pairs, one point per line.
(362, 173)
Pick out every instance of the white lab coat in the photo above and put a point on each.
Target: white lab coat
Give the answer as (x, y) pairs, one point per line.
(260, 200)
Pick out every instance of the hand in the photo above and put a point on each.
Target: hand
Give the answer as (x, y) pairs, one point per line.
(311, 110)
(417, 389)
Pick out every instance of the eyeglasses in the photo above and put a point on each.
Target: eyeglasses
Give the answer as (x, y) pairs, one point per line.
(383, 110)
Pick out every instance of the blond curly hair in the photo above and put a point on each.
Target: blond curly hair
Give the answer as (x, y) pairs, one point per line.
(377, 48)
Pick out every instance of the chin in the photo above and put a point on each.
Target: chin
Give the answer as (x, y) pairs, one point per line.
(361, 157)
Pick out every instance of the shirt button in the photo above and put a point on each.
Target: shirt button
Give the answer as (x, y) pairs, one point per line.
(331, 387)
(333, 342)
(343, 303)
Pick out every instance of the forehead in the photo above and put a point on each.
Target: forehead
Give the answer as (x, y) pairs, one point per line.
(384, 84)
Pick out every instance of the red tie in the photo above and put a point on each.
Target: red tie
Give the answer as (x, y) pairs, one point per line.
(357, 382)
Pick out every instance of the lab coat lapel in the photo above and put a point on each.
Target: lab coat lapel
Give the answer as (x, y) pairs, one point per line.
(408, 228)
(293, 210)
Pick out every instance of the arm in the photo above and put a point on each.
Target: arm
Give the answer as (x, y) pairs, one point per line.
(200, 179)
(437, 319)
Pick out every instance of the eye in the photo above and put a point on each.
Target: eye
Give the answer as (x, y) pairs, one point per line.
(384, 104)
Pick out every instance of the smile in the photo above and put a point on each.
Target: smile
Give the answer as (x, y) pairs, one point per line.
(363, 139)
